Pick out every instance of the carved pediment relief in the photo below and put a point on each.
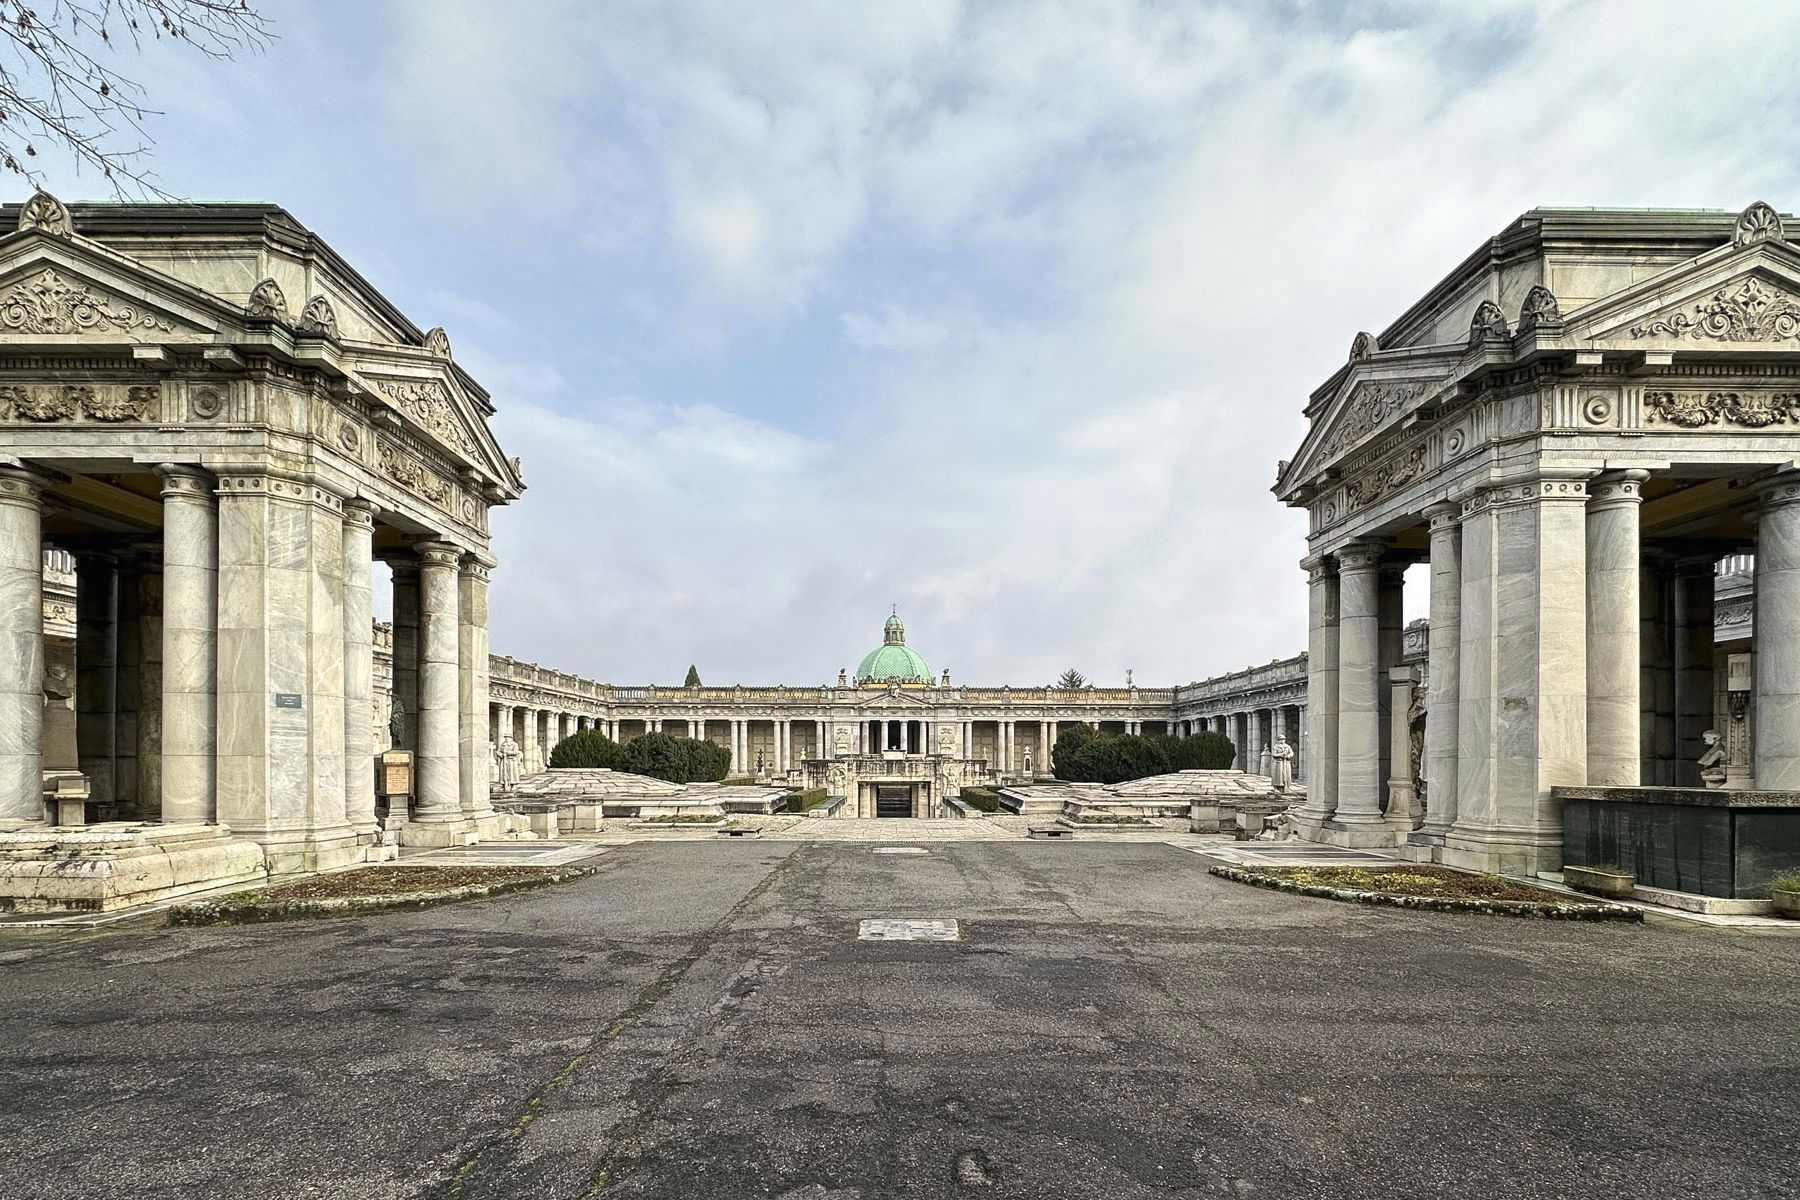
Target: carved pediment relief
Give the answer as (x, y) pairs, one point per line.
(1371, 406)
(428, 404)
(49, 303)
(1748, 309)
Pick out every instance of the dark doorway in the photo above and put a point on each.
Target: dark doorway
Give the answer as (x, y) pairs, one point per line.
(893, 801)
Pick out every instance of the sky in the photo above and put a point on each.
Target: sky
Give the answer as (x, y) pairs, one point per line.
(999, 312)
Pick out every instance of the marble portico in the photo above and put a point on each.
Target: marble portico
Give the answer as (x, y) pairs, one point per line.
(1568, 434)
(222, 466)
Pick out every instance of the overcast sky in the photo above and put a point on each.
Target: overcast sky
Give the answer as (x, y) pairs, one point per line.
(999, 312)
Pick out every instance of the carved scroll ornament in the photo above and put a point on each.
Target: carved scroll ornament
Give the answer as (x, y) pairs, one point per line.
(49, 304)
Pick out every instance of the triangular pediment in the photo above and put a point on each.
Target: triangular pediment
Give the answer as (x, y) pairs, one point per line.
(904, 697)
(1366, 407)
(55, 289)
(1733, 295)
(435, 407)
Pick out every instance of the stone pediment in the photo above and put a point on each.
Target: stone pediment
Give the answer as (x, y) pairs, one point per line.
(1364, 409)
(439, 411)
(1746, 294)
(908, 698)
(54, 288)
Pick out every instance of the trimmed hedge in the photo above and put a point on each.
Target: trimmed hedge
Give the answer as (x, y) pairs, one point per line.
(1085, 755)
(676, 760)
(590, 748)
(811, 798)
(981, 799)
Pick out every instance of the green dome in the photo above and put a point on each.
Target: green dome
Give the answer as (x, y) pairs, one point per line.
(893, 661)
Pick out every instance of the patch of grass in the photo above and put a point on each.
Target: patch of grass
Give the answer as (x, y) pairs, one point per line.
(1431, 882)
(1787, 883)
(398, 881)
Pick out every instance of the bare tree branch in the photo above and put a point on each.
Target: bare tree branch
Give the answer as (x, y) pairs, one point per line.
(57, 90)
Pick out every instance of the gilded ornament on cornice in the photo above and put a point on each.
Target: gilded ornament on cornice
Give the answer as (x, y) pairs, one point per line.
(49, 304)
(427, 403)
(1752, 313)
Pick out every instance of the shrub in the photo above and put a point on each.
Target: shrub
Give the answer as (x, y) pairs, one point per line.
(811, 798)
(675, 760)
(590, 748)
(981, 799)
(1204, 751)
(1787, 883)
(1084, 755)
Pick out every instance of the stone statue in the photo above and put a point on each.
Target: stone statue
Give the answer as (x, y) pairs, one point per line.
(1281, 763)
(1712, 763)
(1028, 773)
(509, 756)
(762, 766)
(1415, 719)
(397, 726)
(843, 677)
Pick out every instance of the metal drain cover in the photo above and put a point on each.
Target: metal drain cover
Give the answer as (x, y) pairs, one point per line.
(895, 929)
(900, 850)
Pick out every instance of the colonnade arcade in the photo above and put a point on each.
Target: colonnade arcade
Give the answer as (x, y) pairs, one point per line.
(1568, 483)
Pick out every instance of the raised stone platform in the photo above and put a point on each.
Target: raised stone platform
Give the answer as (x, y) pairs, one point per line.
(1708, 842)
(1211, 798)
(98, 868)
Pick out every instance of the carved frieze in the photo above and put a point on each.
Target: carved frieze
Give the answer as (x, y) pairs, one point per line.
(48, 403)
(1386, 477)
(1370, 407)
(412, 474)
(1740, 409)
(427, 403)
(48, 303)
(1747, 312)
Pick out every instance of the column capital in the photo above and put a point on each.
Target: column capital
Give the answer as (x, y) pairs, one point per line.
(437, 554)
(1444, 515)
(1617, 487)
(1360, 556)
(359, 511)
(254, 482)
(477, 565)
(185, 481)
(19, 484)
(1779, 489)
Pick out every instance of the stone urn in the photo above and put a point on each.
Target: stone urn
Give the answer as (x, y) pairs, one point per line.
(1610, 882)
(1785, 896)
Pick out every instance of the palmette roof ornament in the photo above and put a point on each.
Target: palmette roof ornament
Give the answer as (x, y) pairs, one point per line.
(1488, 322)
(318, 317)
(1758, 223)
(266, 300)
(438, 342)
(46, 213)
(1362, 346)
(1540, 308)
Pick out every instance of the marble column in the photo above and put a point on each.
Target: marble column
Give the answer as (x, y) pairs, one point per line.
(22, 640)
(150, 689)
(1359, 685)
(1776, 743)
(1523, 686)
(1403, 809)
(439, 756)
(1321, 690)
(190, 648)
(1656, 655)
(1443, 669)
(472, 684)
(359, 668)
(96, 671)
(406, 650)
(1614, 638)
(1392, 612)
(1693, 603)
(1253, 735)
(128, 653)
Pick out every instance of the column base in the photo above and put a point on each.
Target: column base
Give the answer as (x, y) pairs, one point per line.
(1520, 852)
(100, 868)
(437, 834)
(1365, 835)
(305, 851)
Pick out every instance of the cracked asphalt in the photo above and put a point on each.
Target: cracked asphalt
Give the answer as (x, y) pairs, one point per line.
(699, 1021)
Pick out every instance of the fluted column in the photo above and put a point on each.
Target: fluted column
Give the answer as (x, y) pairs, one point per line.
(1614, 610)
(1442, 650)
(22, 643)
(359, 668)
(190, 651)
(1776, 748)
(1359, 685)
(439, 762)
(472, 683)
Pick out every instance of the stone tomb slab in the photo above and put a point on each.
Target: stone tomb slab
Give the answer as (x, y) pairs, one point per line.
(906, 929)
